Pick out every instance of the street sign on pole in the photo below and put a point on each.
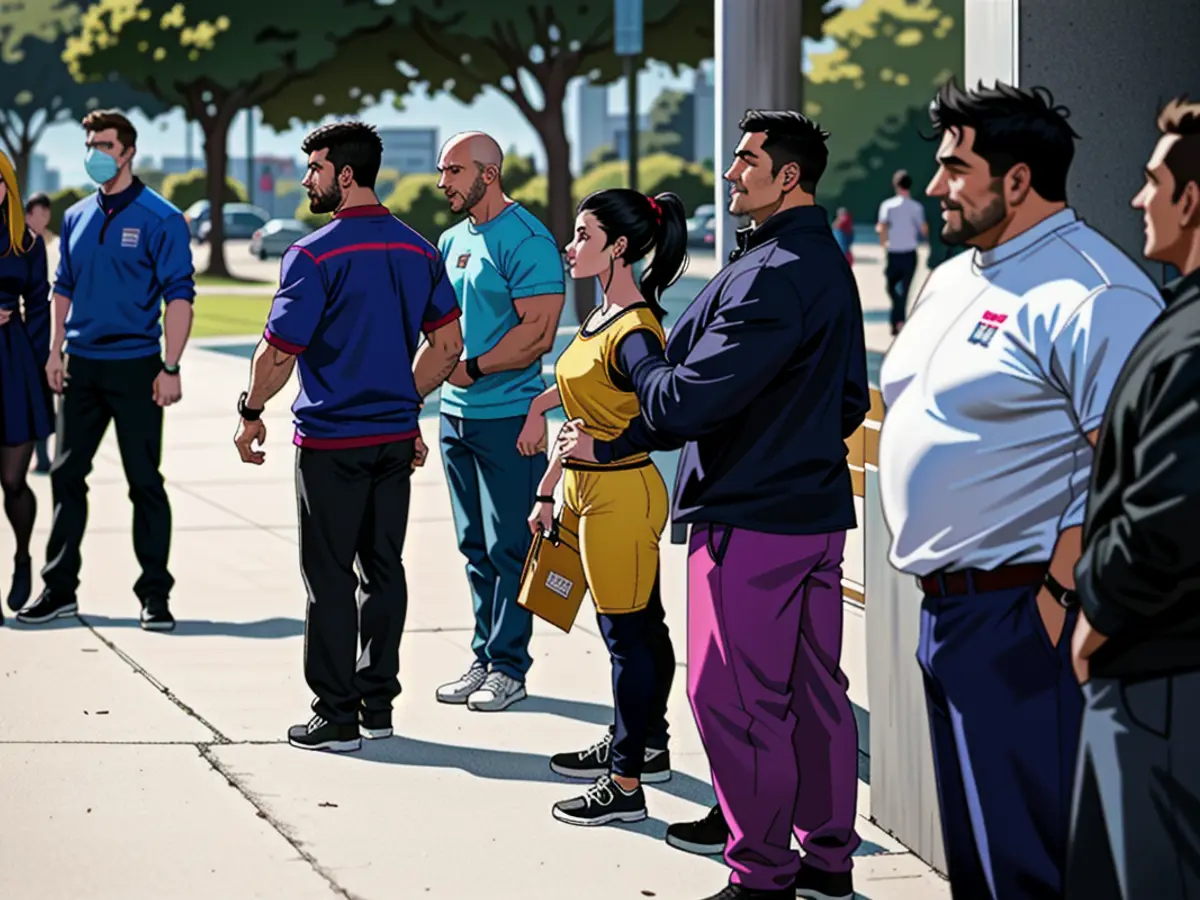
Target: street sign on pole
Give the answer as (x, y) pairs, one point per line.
(627, 27)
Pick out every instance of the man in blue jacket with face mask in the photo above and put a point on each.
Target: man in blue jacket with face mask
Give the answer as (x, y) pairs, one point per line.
(122, 253)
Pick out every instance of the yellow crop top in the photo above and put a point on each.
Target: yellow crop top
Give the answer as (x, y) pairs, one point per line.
(584, 373)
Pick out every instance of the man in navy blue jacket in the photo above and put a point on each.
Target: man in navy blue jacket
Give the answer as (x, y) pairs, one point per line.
(122, 252)
(354, 299)
(764, 378)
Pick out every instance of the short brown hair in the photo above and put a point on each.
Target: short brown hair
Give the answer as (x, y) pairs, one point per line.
(103, 119)
(1179, 117)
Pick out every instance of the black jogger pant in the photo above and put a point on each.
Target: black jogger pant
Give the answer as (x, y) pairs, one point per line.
(99, 391)
(354, 505)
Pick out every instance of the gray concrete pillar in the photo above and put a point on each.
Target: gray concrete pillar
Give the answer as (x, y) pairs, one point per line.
(759, 60)
(1112, 63)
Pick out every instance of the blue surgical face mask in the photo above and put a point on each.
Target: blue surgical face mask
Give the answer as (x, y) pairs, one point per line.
(101, 167)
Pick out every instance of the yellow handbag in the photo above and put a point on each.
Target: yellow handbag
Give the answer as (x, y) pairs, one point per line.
(553, 583)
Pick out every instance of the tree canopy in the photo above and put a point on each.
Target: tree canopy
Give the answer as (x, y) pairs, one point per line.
(890, 58)
(214, 60)
(41, 91)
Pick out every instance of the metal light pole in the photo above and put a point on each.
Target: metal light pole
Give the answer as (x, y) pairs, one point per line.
(627, 43)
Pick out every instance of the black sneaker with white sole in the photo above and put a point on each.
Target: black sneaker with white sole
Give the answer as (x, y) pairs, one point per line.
(603, 803)
(705, 837)
(596, 762)
(156, 616)
(47, 608)
(319, 734)
(814, 884)
(376, 724)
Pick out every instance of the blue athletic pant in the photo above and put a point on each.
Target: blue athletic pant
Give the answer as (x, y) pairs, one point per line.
(492, 488)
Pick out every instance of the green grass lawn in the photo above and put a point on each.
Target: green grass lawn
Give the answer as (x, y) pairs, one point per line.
(230, 314)
(210, 281)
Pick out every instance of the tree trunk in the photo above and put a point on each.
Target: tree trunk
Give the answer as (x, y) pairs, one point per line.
(551, 128)
(216, 157)
(22, 158)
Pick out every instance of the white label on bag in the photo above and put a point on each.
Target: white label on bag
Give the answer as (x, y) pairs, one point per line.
(559, 585)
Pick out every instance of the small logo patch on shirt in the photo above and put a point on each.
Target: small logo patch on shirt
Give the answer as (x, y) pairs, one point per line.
(462, 260)
(559, 585)
(987, 328)
(129, 237)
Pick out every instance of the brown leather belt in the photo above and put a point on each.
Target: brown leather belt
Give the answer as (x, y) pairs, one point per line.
(967, 581)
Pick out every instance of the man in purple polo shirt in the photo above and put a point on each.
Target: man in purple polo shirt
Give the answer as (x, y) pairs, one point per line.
(354, 298)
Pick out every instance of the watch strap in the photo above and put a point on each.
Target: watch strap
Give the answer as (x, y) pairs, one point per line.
(472, 367)
(1062, 594)
(171, 370)
(544, 498)
(250, 415)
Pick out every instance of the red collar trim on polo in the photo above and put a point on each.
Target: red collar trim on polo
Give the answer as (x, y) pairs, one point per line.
(374, 209)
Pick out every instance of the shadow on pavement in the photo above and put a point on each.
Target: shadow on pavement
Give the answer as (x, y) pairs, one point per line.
(579, 710)
(269, 629)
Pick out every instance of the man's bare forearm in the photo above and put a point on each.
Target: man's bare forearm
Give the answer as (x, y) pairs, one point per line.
(58, 335)
(432, 366)
(1067, 551)
(269, 372)
(520, 347)
(177, 327)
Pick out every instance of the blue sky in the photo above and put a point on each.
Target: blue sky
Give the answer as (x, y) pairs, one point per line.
(492, 112)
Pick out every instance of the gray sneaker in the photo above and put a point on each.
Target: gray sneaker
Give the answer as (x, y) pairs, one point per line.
(499, 691)
(459, 691)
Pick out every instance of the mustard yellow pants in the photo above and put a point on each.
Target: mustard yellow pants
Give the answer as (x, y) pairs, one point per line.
(619, 515)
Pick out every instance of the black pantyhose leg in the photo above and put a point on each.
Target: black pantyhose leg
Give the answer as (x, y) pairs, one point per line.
(20, 505)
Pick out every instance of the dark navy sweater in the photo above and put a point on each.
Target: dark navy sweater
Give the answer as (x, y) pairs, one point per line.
(763, 379)
(121, 256)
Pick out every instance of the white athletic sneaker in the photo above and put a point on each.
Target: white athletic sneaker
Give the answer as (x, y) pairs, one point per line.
(458, 691)
(497, 692)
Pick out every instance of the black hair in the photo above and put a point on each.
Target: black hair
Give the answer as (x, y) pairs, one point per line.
(791, 138)
(353, 144)
(902, 180)
(647, 223)
(1011, 126)
(41, 198)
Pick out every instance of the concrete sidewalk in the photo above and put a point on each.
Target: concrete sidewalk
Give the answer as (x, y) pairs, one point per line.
(136, 765)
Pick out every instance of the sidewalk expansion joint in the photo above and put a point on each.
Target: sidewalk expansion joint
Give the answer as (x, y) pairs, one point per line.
(263, 813)
(162, 688)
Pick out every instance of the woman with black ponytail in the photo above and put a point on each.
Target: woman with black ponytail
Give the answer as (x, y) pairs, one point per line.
(619, 509)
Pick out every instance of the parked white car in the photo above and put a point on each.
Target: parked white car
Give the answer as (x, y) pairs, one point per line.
(273, 239)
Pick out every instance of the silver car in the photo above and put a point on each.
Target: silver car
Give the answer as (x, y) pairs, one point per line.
(276, 236)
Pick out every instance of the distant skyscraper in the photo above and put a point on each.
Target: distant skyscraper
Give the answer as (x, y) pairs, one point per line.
(704, 110)
(591, 122)
(410, 150)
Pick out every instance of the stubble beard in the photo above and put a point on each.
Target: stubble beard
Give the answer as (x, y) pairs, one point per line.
(989, 217)
(325, 201)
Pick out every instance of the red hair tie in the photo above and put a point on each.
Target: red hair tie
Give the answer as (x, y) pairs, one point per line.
(657, 209)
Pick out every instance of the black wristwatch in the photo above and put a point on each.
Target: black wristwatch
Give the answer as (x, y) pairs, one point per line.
(472, 366)
(250, 415)
(171, 370)
(544, 498)
(1063, 595)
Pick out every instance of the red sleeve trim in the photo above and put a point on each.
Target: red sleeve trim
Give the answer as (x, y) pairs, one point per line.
(280, 344)
(445, 320)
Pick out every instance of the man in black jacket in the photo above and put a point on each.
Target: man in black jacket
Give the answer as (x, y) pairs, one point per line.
(1135, 829)
(765, 376)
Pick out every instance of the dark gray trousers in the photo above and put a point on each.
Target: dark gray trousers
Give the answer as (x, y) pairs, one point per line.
(1135, 822)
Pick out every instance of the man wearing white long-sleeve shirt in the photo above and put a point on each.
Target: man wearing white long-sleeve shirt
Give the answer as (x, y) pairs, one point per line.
(994, 392)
